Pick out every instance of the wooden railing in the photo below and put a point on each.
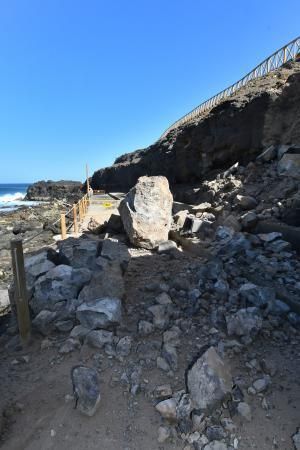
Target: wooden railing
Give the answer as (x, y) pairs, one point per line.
(289, 52)
(73, 216)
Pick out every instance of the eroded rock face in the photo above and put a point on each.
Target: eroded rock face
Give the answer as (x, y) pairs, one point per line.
(232, 131)
(146, 212)
(209, 380)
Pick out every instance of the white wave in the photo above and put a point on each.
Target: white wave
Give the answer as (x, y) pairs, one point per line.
(8, 198)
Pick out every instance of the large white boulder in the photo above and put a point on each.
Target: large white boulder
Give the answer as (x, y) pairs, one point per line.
(146, 212)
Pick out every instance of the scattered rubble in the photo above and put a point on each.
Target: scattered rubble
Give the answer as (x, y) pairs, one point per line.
(183, 331)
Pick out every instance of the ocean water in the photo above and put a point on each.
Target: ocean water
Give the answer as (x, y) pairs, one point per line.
(12, 196)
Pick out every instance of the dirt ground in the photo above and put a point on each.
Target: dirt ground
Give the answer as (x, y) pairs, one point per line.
(40, 415)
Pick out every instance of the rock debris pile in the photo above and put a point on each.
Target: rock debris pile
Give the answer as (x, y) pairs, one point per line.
(184, 327)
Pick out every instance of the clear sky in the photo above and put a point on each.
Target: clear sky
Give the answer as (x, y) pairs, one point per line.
(87, 80)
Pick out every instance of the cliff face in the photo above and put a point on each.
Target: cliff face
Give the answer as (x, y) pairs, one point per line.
(265, 112)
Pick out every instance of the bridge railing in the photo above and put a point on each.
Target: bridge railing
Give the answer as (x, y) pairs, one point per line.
(289, 52)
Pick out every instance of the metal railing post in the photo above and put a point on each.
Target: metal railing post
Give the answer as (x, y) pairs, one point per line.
(291, 51)
(20, 291)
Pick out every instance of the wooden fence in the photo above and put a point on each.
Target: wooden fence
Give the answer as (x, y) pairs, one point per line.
(68, 220)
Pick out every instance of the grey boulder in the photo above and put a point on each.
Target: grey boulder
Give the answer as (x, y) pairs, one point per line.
(44, 322)
(78, 252)
(86, 389)
(167, 409)
(59, 284)
(245, 322)
(99, 338)
(146, 212)
(215, 445)
(79, 332)
(100, 313)
(289, 165)
(107, 281)
(256, 295)
(35, 266)
(245, 202)
(114, 250)
(208, 380)
(165, 247)
(124, 346)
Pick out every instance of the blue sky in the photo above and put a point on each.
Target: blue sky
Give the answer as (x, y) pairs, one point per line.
(85, 81)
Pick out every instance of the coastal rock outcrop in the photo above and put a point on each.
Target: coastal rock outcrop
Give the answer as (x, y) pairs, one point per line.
(146, 212)
(59, 190)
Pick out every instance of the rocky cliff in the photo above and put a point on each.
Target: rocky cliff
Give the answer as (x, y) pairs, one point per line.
(265, 112)
(59, 190)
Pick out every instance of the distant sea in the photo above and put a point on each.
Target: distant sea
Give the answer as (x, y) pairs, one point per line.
(12, 196)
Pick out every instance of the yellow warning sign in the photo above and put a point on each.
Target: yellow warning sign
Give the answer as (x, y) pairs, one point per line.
(107, 205)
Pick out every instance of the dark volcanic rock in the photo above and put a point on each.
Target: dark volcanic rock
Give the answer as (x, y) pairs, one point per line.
(235, 130)
(49, 190)
(86, 389)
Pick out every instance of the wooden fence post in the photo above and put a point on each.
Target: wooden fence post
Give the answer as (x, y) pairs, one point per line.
(75, 218)
(20, 291)
(63, 226)
(80, 210)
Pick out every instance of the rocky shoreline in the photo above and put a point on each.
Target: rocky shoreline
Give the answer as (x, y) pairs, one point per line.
(25, 223)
